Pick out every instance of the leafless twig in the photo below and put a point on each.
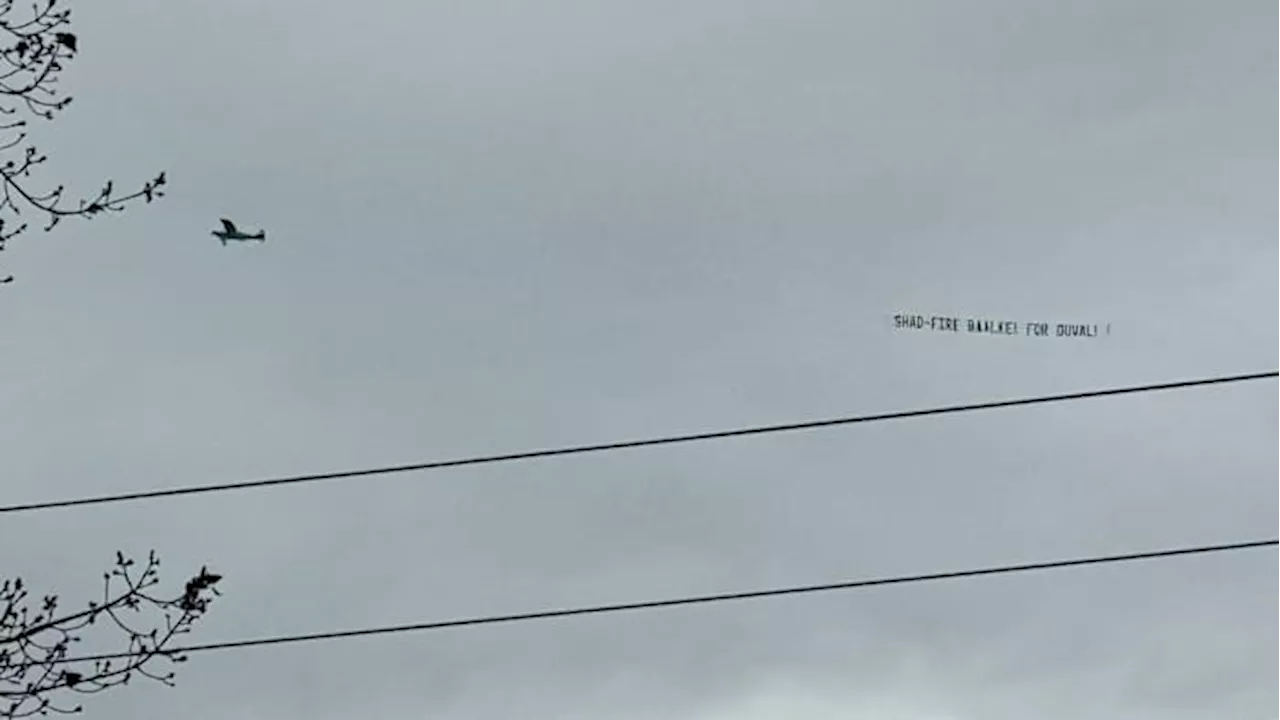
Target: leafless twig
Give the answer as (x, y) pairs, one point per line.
(33, 51)
(35, 638)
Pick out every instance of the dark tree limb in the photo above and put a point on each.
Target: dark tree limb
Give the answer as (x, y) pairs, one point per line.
(35, 637)
(33, 51)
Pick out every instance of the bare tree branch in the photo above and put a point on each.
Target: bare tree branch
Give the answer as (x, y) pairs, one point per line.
(32, 54)
(34, 639)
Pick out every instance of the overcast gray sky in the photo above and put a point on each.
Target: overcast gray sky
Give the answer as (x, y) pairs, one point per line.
(498, 225)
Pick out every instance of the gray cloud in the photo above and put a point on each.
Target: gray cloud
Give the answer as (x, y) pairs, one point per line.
(503, 226)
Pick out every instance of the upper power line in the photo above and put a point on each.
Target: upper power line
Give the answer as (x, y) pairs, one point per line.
(698, 599)
(668, 440)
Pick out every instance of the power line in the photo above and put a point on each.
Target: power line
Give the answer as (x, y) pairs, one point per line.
(668, 440)
(696, 600)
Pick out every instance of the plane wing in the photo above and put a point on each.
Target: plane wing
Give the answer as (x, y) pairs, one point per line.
(228, 225)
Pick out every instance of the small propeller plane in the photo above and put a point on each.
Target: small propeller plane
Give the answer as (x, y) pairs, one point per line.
(229, 231)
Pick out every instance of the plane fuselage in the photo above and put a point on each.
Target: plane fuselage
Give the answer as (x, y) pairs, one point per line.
(260, 236)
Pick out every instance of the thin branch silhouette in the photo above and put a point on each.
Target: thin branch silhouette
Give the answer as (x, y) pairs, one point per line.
(35, 637)
(33, 52)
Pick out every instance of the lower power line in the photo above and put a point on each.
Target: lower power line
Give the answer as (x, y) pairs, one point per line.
(698, 600)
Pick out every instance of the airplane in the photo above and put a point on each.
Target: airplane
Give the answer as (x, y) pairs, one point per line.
(230, 232)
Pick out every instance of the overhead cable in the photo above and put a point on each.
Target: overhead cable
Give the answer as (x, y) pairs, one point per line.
(628, 444)
(695, 600)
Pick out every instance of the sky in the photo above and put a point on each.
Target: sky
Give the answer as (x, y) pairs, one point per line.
(497, 226)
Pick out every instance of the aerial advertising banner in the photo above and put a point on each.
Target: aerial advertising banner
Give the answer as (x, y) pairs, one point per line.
(988, 326)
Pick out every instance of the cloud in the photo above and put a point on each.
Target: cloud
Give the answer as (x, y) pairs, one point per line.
(502, 226)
